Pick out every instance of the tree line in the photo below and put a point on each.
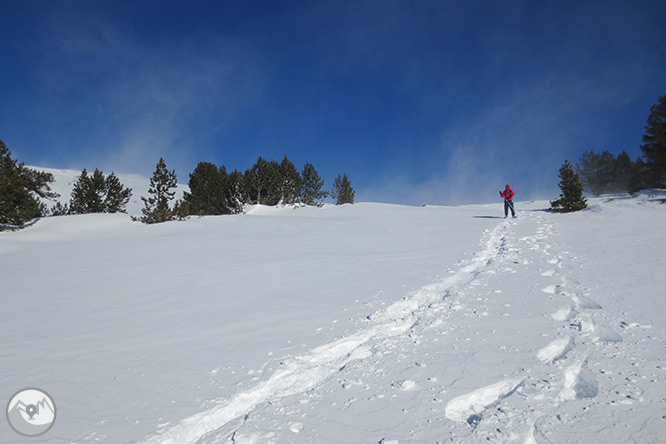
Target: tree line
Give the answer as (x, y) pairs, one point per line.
(212, 191)
(215, 191)
(602, 173)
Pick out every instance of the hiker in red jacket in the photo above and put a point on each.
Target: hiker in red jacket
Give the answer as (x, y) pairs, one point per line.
(508, 194)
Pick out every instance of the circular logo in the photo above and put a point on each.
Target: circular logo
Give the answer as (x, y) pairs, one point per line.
(31, 412)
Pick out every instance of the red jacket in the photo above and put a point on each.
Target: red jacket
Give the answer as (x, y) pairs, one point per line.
(507, 194)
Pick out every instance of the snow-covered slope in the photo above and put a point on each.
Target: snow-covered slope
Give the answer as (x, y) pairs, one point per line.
(364, 323)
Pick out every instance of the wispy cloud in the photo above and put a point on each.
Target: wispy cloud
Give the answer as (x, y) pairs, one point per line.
(143, 101)
(543, 95)
(420, 102)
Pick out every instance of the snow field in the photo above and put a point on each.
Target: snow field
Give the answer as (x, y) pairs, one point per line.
(410, 386)
(134, 327)
(418, 325)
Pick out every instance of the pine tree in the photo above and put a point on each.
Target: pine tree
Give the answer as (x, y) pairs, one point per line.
(604, 173)
(289, 182)
(98, 193)
(59, 209)
(639, 177)
(571, 198)
(235, 194)
(116, 195)
(596, 171)
(181, 209)
(343, 192)
(654, 145)
(88, 193)
(20, 191)
(157, 207)
(262, 181)
(206, 195)
(621, 173)
(312, 192)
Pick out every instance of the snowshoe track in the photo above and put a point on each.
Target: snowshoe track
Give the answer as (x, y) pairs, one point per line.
(303, 373)
(373, 377)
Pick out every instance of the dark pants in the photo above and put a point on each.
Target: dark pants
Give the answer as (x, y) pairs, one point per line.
(509, 204)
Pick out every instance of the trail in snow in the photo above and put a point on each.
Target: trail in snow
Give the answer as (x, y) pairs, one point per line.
(302, 373)
(504, 349)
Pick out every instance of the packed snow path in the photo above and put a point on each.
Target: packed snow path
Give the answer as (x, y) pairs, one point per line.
(503, 349)
(303, 373)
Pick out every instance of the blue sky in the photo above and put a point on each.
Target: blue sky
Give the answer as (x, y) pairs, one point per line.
(437, 102)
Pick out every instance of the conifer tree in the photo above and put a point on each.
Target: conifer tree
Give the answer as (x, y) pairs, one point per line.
(654, 145)
(88, 193)
(571, 197)
(59, 209)
(206, 195)
(289, 183)
(157, 208)
(117, 196)
(262, 182)
(97, 193)
(312, 192)
(181, 209)
(639, 177)
(235, 193)
(342, 190)
(20, 191)
(596, 171)
(621, 173)
(604, 173)
(223, 186)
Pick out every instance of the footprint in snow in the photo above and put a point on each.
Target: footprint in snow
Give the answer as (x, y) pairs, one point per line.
(583, 302)
(531, 437)
(564, 314)
(555, 350)
(406, 385)
(579, 382)
(598, 329)
(549, 289)
(296, 427)
(468, 407)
